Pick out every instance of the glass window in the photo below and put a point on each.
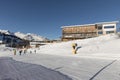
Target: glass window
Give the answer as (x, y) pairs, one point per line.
(108, 32)
(100, 27)
(100, 32)
(108, 27)
(1, 37)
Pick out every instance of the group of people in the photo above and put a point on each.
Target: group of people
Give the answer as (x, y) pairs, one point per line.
(22, 51)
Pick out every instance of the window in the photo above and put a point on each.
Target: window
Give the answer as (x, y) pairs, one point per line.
(108, 32)
(100, 32)
(106, 27)
(100, 27)
(1, 37)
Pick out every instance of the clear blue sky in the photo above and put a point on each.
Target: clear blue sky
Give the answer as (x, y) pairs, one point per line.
(45, 17)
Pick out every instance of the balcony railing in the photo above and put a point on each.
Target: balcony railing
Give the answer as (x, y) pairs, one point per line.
(79, 32)
(78, 35)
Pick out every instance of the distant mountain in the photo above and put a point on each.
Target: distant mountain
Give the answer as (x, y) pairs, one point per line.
(6, 32)
(28, 36)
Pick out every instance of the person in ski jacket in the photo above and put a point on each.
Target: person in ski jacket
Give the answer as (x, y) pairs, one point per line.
(14, 51)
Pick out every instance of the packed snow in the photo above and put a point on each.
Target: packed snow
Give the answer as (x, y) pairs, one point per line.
(96, 59)
(15, 70)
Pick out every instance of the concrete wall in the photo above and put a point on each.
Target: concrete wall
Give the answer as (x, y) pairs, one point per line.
(109, 29)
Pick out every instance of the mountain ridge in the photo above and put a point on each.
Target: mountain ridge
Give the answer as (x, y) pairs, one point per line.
(26, 36)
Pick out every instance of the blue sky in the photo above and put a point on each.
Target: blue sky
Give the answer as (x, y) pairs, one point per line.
(45, 17)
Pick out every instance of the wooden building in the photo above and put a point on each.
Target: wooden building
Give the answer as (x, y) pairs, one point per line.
(88, 30)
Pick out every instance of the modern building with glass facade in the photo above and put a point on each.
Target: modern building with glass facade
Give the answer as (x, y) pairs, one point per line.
(12, 40)
(88, 30)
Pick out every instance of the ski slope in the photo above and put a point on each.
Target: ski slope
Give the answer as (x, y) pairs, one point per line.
(96, 59)
(107, 46)
(14, 70)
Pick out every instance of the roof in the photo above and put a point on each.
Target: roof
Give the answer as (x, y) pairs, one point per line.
(112, 22)
(79, 25)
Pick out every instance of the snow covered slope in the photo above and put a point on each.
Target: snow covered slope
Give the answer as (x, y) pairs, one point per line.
(30, 36)
(99, 46)
(96, 59)
(14, 70)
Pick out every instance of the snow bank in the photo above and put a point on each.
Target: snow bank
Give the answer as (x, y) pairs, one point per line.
(5, 51)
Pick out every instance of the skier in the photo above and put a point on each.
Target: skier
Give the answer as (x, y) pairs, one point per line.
(14, 51)
(35, 51)
(20, 52)
(30, 52)
(25, 50)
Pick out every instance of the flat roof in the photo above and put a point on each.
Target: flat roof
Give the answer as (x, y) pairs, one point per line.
(92, 24)
(108, 22)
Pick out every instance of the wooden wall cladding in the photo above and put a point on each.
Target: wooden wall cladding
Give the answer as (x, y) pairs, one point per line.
(79, 29)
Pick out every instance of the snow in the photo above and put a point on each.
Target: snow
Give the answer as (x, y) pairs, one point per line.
(30, 36)
(6, 32)
(96, 59)
(99, 46)
(27, 36)
(14, 70)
